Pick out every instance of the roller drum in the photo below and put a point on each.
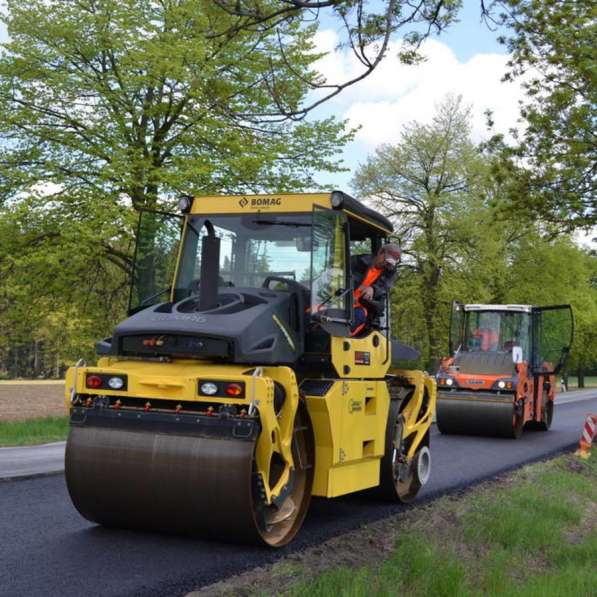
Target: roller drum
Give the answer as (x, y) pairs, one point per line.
(478, 416)
(175, 482)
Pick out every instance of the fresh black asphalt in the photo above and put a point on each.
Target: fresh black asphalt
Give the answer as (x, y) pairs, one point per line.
(46, 548)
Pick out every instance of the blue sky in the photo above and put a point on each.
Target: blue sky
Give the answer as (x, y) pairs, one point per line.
(464, 60)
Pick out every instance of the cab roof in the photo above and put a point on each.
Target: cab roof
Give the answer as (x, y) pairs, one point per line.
(514, 308)
(291, 203)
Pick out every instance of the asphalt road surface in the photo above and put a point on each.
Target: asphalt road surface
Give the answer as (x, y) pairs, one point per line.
(46, 548)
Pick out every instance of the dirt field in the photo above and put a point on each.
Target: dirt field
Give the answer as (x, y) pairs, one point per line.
(30, 399)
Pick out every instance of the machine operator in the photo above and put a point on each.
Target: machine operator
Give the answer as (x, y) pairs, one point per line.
(372, 278)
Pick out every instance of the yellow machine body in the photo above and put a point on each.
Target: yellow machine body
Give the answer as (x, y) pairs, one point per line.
(349, 421)
(158, 453)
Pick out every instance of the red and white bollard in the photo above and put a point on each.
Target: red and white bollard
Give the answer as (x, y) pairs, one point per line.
(586, 439)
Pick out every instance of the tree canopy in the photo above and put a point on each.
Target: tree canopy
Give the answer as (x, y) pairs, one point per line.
(109, 106)
(461, 242)
(144, 99)
(554, 158)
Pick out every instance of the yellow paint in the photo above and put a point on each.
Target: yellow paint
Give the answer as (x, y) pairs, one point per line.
(239, 204)
(343, 356)
(368, 222)
(180, 380)
(349, 424)
(417, 419)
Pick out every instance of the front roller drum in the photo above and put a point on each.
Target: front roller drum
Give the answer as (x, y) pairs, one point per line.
(475, 416)
(187, 484)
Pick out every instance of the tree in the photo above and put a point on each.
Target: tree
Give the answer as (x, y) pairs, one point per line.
(367, 26)
(432, 185)
(544, 272)
(554, 159)
(107, 107)
(145, 99)
(59, 293)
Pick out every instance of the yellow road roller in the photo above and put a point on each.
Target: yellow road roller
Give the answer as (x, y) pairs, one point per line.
(237, 388)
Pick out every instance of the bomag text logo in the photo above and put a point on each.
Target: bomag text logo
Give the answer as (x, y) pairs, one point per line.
(260, 202)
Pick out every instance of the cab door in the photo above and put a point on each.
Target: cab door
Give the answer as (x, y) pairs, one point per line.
(331, 296)
(156, 253)
(552, 335)
(456, 327)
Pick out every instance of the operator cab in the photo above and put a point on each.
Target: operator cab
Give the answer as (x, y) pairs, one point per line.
(491, 339)
(262, 279)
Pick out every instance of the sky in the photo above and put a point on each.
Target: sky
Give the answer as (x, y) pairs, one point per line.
(465, 60)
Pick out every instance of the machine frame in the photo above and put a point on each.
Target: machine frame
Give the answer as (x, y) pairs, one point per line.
(315, 421)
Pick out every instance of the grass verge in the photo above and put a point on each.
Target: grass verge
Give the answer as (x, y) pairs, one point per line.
(33, 431)
(532, 532)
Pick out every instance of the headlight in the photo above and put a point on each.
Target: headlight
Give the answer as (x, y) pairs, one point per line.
(501, 384)
(116, 383)
(209, 388)
(449, 381)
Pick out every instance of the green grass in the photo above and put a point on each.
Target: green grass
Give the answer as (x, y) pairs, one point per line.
(526, 537)
(33, 431)
(590, 382)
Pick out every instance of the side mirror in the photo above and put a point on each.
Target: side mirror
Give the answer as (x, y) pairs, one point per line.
(517, 354)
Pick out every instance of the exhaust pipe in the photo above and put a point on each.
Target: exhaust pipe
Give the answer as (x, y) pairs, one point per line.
(210, 269)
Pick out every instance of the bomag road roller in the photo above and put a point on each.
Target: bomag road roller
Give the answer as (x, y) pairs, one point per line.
(501, 375)
(236, 390)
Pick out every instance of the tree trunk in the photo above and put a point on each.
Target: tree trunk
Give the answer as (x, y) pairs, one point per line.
(35, 358)
(15, 354)
(581, 378)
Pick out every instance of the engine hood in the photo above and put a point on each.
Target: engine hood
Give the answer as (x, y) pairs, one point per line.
(254, 326)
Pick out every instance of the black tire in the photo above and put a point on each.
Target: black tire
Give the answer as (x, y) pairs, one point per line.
(546, 415)
(391, 486)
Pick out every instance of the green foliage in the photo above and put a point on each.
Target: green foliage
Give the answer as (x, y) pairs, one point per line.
(146, 99)
(461, 242)
(425, 569)
(433, 184)
(553, 160)
(529, 535)
(107, 107)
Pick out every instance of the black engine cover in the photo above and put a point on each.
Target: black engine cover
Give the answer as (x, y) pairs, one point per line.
(249, 325)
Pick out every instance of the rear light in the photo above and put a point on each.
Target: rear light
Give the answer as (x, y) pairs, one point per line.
(221, 389)
(234, 389)
(94, 381)
(103, 381)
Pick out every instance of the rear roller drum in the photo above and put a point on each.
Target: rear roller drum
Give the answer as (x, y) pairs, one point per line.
(399, 479)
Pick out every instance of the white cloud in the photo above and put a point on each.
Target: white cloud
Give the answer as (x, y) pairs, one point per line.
(396, 94)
